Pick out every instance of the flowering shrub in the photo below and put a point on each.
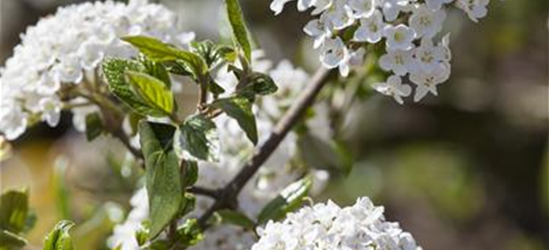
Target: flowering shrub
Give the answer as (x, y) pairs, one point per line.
(241, 163)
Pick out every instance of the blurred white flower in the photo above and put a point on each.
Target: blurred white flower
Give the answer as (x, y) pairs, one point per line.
(398, 61)
(427, 22)
(370, 29)
(475, 9)
(363, 8)
(394, 87)
(428, 56)
(427, 82)
(399, 37)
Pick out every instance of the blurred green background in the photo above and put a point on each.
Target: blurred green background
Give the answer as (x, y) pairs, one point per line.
(467, 170)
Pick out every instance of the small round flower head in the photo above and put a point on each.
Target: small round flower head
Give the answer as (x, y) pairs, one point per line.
(328, 226)
(63, 51)
(407, 29)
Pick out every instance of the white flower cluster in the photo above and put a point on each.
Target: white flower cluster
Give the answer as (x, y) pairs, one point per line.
(277, 173)
(327, 226)
(408, 28)
(64, 50)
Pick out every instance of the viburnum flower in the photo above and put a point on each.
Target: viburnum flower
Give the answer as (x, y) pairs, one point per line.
(64, 50)
(475, 9)
(427, 22)
(398, 61)
(399, 37)
(427, 82)
(394, 87)
(371, 28)
(363, 8)
(328, 226)
(401, 25)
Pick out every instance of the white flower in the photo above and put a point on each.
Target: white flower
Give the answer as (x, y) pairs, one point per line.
(475, 9)
(445, 45)
(51, 110)
(392, 8)
(399, 37)
(339, 16)
(327, 226)
(13, 121)
(334, 54)
(427, 22)
(363, 8)
(319, 30)
(428, 57)
(427, 82)
(393, 87)
(398, 61)
(278, 5)
(370, 29)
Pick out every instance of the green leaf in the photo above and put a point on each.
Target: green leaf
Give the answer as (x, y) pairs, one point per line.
(114, 71)
(197, 139)
(11, 241)
(187, 205)
(94, 126)
(160, 52)
(157, 70)
(211, 52)
(258, 84)
(189, 234)
(162, 177)
(215, 88)
(59, 238)
(190, 173)
(152, 90)
(142, 233)
(14, 209)
(288, 200)
(232, 217)
(240, 109)
(179, 67)
(240, 32)
(159, 244)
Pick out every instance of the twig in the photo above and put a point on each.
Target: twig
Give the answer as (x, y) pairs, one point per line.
(203, 191)
(227, 195)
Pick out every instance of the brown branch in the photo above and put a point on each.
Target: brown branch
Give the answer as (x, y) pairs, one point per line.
(122, 137)
(227, 196)
(212, 193)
